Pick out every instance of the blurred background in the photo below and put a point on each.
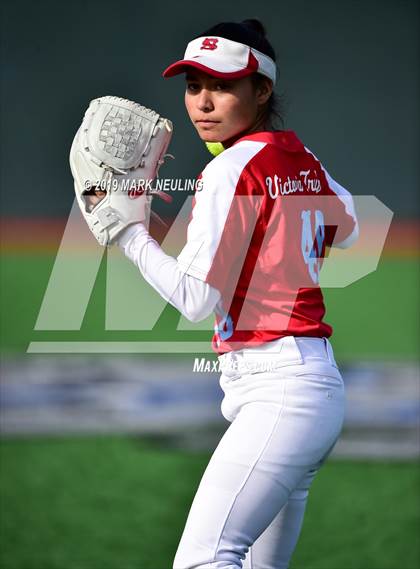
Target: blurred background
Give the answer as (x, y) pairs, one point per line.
(104, 438)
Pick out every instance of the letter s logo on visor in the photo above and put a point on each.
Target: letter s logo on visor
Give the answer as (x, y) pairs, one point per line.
(209, 43)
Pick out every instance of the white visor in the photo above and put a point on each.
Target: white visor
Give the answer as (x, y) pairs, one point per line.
(224, 58)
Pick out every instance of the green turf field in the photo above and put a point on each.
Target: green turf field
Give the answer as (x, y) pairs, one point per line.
(118, 503)
(375, 317)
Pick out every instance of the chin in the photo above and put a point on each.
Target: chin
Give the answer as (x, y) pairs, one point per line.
(208, 137)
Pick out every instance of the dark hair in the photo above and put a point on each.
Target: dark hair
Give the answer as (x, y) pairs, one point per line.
(252, 32)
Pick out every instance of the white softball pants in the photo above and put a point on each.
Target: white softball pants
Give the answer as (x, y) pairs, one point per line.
(285, 401)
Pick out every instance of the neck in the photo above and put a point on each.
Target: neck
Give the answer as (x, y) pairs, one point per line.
(260, 125)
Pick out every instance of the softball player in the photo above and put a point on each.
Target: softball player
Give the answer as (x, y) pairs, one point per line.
(256, 239)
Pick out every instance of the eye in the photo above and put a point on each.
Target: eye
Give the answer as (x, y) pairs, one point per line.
(192, 87)
(222, 86)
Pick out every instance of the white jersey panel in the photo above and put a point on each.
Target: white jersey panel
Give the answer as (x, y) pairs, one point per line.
(212, 205)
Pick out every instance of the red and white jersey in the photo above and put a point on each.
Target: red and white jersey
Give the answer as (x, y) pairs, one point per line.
(259, 227)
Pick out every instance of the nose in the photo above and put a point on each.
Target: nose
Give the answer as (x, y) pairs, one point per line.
(204, 101)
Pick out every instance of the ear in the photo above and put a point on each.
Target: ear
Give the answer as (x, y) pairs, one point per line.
(264, 90)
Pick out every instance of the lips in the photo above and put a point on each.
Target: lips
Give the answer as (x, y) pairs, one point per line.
(206, 121)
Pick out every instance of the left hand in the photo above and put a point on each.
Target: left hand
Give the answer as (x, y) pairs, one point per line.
(93, 197)
(119, 144)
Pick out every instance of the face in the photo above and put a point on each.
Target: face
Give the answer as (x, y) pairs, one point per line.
(221, 109)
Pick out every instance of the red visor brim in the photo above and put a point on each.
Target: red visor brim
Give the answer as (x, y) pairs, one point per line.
(183, 65)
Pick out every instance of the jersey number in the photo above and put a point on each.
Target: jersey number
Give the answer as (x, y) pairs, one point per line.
(224, 329)
(312, 246)
(312, 241)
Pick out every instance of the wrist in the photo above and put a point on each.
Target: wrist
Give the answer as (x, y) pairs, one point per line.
(131, 232)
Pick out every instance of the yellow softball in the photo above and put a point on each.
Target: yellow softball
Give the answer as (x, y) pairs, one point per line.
(215, 148)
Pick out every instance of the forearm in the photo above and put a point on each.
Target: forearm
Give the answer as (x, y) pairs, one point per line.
(194, 298)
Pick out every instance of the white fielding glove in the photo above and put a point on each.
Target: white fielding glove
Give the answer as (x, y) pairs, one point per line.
(119, 146)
